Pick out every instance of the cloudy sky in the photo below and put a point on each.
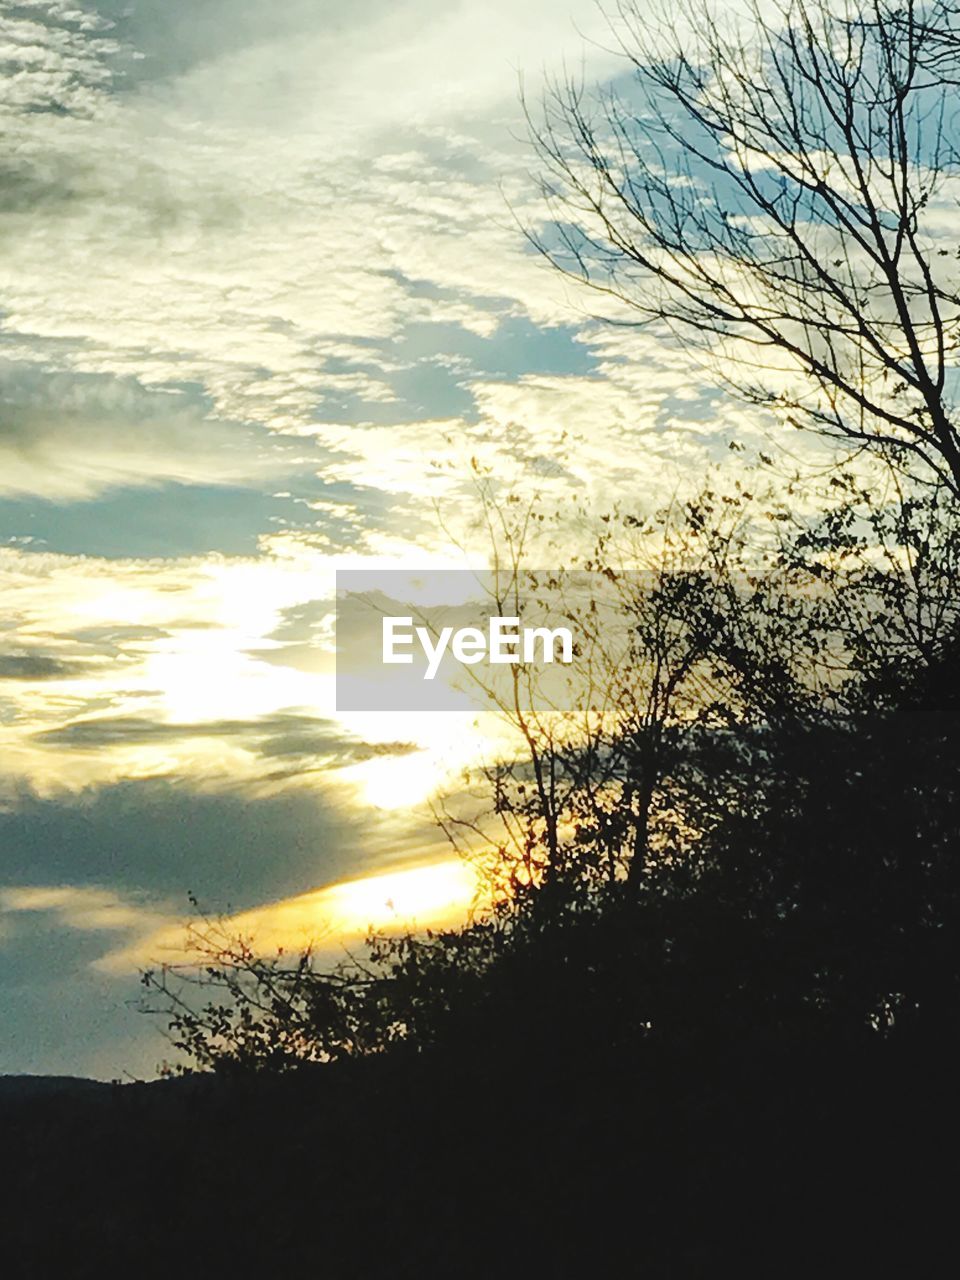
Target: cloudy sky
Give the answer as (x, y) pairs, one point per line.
(262, 298)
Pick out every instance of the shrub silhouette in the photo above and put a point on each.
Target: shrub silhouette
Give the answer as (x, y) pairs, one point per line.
(787, 868)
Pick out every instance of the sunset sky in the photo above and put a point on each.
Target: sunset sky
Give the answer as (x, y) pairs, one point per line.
(263, 297)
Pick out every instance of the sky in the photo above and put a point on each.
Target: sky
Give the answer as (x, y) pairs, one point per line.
(264, 294)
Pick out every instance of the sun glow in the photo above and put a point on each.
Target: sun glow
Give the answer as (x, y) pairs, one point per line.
(430, 896)
(441, 893)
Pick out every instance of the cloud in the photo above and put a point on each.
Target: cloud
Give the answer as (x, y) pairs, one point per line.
(233, 845)
(90, 910)
(279, 735)
(432, 895)
(278, 208)
(38, 666)
(70, 436)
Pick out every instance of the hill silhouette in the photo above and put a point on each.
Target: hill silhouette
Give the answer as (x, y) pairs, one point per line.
(496, 1158)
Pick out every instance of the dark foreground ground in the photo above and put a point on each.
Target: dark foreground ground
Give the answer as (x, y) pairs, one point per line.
(804, 1163)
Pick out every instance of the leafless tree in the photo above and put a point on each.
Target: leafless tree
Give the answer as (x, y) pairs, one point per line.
(587, 796)
(777, 184)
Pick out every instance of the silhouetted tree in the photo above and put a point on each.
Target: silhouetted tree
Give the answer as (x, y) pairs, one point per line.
(757, 838)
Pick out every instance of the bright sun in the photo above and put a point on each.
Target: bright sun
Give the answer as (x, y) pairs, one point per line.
(440, 893)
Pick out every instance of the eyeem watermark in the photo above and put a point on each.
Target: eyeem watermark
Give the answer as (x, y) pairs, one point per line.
(505, 641)
(444, 640)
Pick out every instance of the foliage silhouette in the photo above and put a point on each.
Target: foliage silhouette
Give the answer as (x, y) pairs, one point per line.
(768, 851)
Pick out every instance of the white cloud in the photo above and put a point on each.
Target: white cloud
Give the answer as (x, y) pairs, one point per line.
(66, 437)
(245, 222)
